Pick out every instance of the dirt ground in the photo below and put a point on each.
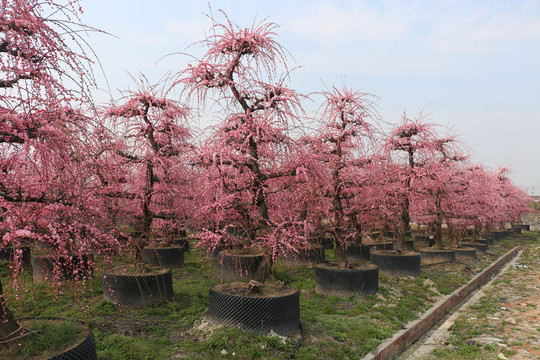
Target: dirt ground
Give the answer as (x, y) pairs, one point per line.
(519, 315)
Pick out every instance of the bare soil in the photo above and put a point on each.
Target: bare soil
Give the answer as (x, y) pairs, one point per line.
(395, 252)
(137, 269)
(350, 265)
(264, 290)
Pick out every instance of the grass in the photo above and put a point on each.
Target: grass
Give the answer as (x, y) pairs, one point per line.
(335, 328)
(49, 337)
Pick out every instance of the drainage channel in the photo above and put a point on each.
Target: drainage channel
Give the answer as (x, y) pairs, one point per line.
(418, 331)
(440, 332)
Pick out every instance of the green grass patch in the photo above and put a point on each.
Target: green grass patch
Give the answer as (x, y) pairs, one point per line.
(46, 339)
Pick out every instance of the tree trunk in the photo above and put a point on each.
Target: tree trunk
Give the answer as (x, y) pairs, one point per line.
(264, 269)
(147, 197)
(405, 226)
(405, 221)
(452, 236)
(438, 224)
(476, 231)
(341, 255)
(8, 325)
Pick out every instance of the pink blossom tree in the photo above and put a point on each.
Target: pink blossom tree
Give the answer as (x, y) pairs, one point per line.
(303, 193)
(474, 205)
(437, 184)
(484, 200)
(511, 201)
(251, 150)
(377, 197)
(433, 205)
(411, 143)
(143, 162)
(342, 144)
(43, 176)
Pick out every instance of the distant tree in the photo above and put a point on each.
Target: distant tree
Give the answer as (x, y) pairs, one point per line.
(511, 199)
(377, 199)
(484, 200)
(437, 184)
(474, 205)
(411, 143)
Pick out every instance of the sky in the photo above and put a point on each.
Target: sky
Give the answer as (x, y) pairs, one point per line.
(472, 66)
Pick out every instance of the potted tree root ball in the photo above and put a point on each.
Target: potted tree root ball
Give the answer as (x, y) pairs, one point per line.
(167, 252)
(72, 340)
(213, 250)
(421, 241)
(129, 286)
(474, 242)
(465, 254)
(58, 268)
(436, 256)
(362, 251)
(236, 264)
(343, 280)
(164, 256)
(481, 249)
(256, 307)
(397, 263)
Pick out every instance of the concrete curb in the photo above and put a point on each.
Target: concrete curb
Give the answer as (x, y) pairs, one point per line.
(417, 328)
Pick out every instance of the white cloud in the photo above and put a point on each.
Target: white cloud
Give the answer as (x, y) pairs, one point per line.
(484, 31)
(451, 27)
(415, 37)
(326, 21)
(192, 30)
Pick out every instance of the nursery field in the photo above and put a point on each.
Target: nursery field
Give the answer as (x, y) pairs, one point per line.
(333, 328)
(273, 171)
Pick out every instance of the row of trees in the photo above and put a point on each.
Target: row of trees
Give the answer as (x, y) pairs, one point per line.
(82, 179)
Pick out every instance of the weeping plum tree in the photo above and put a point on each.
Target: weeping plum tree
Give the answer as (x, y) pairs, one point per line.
(473, 202)
(42, 171)
(483, 200)
(143, 162)
(411, 143)
(434, 204)
(512, 201)
(436, 184)
(342, 144)
(251, 149)
(376, 197)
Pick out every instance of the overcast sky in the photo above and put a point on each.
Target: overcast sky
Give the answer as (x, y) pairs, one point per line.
(472, 65)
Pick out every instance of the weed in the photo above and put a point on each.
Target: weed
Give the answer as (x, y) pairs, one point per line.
(120, 347)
